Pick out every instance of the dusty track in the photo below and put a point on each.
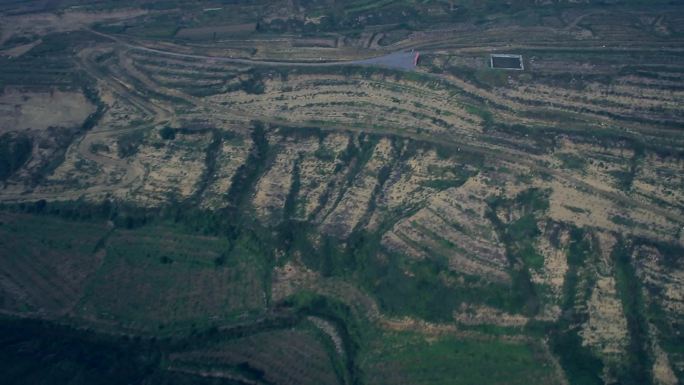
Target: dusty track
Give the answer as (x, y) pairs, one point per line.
(400, 59)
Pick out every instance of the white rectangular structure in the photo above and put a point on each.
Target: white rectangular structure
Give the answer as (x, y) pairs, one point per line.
(508, 59)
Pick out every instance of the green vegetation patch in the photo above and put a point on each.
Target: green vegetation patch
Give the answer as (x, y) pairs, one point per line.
(157, 275)
(637, 368)
(129, 143)
(490, 78)
(572, 162)
(409, 358)
(447, 178)
(428, 290)
(520, 236)
(580, 364)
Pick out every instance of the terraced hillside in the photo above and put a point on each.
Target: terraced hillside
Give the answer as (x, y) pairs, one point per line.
(234, 193)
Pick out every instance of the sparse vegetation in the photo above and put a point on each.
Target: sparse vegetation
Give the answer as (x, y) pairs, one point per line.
(127, 144)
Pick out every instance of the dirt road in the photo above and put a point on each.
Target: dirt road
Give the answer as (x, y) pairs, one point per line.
(402, 60)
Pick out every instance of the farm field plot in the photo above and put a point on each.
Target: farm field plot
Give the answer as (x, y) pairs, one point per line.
(46, 262)
(155, 277)
(408, 358)
(282, 356)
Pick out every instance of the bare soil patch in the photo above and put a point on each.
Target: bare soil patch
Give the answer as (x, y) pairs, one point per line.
(21, 110)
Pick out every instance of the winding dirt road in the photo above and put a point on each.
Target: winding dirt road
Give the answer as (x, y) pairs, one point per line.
(402, 59)
(161, 114)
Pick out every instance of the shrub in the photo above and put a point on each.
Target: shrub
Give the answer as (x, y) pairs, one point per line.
(167, 133)
(14, 152)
